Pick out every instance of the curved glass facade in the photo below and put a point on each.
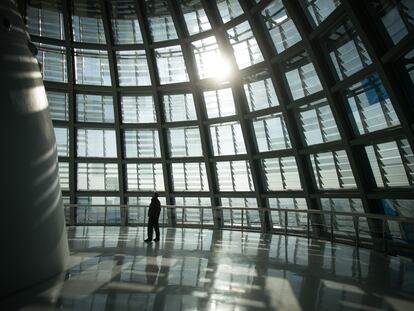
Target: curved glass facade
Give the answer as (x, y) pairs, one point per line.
(299, 104)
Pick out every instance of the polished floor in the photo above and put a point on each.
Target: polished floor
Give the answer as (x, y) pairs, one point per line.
(112, 268)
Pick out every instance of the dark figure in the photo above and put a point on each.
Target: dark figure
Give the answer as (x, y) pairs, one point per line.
(153, 215)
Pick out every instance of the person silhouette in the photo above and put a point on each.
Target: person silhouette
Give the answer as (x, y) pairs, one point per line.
(153, 215)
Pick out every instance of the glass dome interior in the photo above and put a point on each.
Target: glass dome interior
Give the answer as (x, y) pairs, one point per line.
(304, 104)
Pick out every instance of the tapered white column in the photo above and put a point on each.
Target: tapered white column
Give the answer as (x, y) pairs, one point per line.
(33, 243)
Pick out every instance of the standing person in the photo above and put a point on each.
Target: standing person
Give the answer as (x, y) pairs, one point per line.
(153, 215)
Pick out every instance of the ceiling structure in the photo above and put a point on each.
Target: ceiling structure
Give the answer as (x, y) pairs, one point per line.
(304, 104)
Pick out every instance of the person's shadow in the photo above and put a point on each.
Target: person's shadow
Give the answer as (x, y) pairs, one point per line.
(151, 267)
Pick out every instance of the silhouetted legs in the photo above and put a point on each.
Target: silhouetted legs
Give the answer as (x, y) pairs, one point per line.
(153, 225)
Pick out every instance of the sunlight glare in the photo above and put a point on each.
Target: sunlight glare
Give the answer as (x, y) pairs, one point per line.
(216, 66)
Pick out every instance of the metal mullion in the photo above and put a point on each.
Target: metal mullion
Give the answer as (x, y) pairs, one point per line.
(237, 157)
(388, 193)
(241, 103)
(70, 61)
(318, 176)
(380, 136)
(199, 103)
(90, 125)
(333, 218)
(356, 158)
(116, 103)
(143, 22)
(285, 134)
(279, 161)
(403, 47)
(263, 112)
(58, 86)
(220, 119)
(269, 54)
(49, 41)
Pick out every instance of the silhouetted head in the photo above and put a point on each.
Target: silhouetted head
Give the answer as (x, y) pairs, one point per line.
(155, 195)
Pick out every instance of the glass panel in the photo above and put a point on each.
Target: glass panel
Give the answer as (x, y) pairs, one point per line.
(64, 175)
(97, 176)
(189, 177)
(281, 174)
(370, 107)
(184, 142)
(234, 217)
(94, 108)
(98, 215)
(344, 224)
(302, 77)
(229, 9)
(245, 47)
(87, 21)
(260, 92)
(139, 214)
(317, 123)
(402, 208)
(397, 17)
(96, 143)
(161, 24)
(346, 50)
(227, 139)
(145, 177)
(196, 216)
(52, 61)
(171, 65)
(125, 26)
(45, 19)
(62, 141)
(294, 220)
(234, 176)
(319, 10)
(142, 143)
(210, 62)
(138, 109)
(281, 27)
(92, 67)
(219, 103)
(179, 107)
(132, 68)
(58, 105)
(332, 170)
(392, 163)
(271, 133)
(195, 17)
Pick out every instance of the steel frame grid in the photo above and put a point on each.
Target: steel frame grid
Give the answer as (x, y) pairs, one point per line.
(383, 57)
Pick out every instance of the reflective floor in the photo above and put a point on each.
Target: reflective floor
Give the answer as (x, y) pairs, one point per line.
(190, 269)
